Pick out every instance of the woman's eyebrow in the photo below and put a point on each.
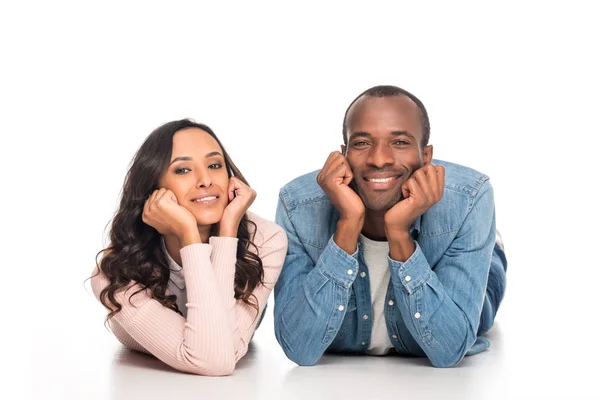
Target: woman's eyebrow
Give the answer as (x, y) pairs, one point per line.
(214, 153)
(184, 158)
(188, 158)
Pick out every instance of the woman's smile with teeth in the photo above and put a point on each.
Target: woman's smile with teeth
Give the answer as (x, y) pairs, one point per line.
(204, 199)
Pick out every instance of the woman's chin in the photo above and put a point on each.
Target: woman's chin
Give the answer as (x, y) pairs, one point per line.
(210, 219)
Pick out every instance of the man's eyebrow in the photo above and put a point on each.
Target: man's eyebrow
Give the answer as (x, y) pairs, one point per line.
(403, 133)
(360, 134)
(368, 135)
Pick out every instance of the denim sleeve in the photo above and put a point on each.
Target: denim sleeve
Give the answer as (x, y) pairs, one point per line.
(442, 307)
(310, 299)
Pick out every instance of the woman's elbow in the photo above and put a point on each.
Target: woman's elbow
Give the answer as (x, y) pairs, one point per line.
(220, 368)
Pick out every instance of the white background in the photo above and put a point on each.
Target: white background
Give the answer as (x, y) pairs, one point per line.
(511, 89)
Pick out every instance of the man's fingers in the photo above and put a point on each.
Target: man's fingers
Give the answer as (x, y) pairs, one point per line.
(432, 179)
(343, 172)
(424, 185)
(414, 189)
(336, 167)
(330, 163)
(441, 178)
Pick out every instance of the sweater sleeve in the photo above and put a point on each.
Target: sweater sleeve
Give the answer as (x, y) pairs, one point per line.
(271, 244)
(202, 343)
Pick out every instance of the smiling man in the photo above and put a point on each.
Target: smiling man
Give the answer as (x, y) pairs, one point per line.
(390, 251)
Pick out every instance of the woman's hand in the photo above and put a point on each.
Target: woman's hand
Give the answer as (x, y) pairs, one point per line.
(163, 213)
(241, 196)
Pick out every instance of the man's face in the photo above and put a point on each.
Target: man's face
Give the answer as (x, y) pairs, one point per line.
(384, 148)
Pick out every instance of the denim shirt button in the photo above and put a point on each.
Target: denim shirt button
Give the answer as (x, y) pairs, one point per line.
(407, 278)
(341, 308)
(394, 337)
(363, 343)
(391, 302)
(350, 272)
(418, 315)
(363, 274)
(365, 316)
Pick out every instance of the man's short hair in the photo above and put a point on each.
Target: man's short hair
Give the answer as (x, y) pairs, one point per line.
(386, 91)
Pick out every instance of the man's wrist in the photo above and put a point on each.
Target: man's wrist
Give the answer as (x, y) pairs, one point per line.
(401, 243)
(346, 234)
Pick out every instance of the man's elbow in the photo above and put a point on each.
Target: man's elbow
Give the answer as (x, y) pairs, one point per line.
(295, 354)
(448, 359)
(303, 360)
(446, 363)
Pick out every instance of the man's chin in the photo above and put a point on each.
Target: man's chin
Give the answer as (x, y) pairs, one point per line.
(379, 205)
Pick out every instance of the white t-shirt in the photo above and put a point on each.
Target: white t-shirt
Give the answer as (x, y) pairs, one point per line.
(375, 254)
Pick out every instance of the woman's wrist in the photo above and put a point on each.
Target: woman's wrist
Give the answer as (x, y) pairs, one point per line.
(189, 236)
(229, 230)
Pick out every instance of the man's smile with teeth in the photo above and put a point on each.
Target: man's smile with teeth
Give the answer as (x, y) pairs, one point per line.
(381, 180)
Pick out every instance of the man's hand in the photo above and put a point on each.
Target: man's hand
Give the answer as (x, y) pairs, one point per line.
(334, 178)
(420, 192)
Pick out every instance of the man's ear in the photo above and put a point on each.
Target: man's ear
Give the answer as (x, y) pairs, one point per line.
(427, 154)
(344, 149)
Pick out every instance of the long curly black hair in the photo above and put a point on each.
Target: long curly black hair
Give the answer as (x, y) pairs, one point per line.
(135, 252)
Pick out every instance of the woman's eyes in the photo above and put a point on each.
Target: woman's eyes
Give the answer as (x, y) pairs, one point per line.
(185, 170)
(182, 170)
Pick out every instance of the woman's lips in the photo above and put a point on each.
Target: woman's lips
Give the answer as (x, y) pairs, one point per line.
(205, 200)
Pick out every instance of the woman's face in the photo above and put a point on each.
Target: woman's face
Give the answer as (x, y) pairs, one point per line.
(197, 175)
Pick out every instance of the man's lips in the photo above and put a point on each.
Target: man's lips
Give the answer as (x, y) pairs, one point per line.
(381, 181)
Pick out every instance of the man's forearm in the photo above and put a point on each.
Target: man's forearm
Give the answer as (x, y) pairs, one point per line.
(308, 317)
(402, 245)
(347, 232)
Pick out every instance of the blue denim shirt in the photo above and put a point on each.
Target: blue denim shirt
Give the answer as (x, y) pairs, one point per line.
(436, 302)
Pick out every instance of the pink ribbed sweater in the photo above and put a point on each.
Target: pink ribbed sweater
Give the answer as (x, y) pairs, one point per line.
(218, 327)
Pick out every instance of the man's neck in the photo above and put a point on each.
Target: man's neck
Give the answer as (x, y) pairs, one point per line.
(374, 226)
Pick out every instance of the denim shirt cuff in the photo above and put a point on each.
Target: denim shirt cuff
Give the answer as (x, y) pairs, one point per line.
(412, 273)
(338, 265)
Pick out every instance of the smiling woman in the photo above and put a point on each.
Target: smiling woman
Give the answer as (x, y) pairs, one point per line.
(188, 270)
